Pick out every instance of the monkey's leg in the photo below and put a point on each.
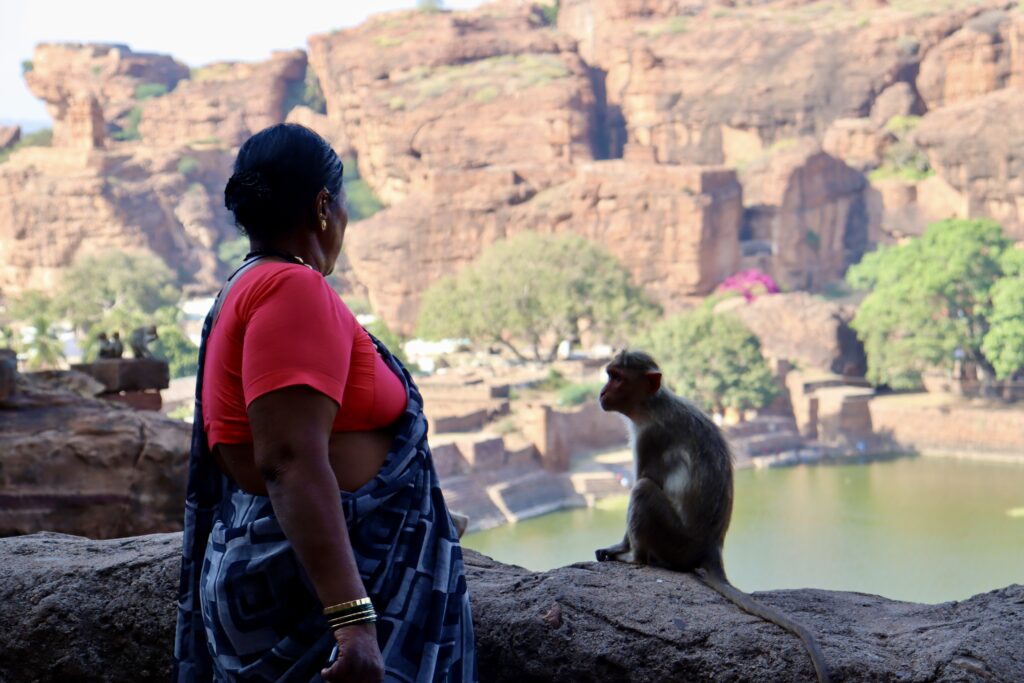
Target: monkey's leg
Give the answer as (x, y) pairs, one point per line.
(656, 532)
(614, 552)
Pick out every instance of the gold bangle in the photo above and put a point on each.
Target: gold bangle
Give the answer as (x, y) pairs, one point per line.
(334, 609)
(335, 627)
(338, 623)
(356, 615)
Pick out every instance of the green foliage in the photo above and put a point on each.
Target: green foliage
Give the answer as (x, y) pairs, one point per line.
(117, 290)
(550, 13)
(188, 165)
(578, 394)
(40, 138)
(361, 201)
(533, 290)
(231, 252)
(430, 6)
(45, 350)
(391, 340)
(177, 349)
(32, 304)
(555, 381)
(147, 91)
(813, 240)
(713, 360)
(26, 66)
(937, 297)
(312, 94)
(130, 126)
(903, 160)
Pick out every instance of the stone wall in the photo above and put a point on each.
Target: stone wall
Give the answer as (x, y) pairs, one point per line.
(965, 429)
(561, 434)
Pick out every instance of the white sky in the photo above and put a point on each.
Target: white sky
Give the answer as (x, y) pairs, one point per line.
(193, 31)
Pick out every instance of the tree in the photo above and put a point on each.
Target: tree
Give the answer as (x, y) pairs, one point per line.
(177, 349)
(535, 290)
(116, 290)
(44, 350)
(938, 298)
(713, 360)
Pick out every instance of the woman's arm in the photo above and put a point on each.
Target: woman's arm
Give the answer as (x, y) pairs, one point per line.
(291, 428)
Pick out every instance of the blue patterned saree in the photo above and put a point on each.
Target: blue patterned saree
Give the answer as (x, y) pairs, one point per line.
(246, 609)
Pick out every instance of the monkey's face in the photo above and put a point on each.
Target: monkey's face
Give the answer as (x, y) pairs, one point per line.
(626, 390)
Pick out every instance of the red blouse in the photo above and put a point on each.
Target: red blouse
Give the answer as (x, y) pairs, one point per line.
(282, 325)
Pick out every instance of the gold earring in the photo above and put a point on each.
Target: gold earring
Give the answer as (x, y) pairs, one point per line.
(323, 223)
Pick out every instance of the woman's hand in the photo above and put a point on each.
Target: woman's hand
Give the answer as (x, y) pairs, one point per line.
(359, 659)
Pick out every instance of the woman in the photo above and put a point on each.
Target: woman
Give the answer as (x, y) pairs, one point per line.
(294, 404)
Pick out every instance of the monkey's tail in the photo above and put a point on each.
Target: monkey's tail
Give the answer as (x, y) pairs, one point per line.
(713, 575)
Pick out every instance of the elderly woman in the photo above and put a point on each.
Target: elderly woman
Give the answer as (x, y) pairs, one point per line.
(314, 518)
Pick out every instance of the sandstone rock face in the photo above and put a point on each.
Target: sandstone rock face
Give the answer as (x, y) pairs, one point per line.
(56, 204)
(680, 225)
(66, 75)
(418, 92)
(80, 610)
(224, 103)
(977, 149)
(810, 207)
(984, 56)
(85, 466)
(9, 136)
(677, 81)
(804, 329)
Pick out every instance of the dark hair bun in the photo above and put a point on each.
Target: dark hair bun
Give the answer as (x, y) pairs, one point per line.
(277, 176)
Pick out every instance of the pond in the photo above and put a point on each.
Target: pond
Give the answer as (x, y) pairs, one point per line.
(921, 529)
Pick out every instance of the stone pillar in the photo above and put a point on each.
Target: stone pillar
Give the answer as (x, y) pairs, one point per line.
(82, 126)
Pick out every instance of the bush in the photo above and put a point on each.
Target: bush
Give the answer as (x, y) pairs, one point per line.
(27, 66)
(361, 201)
(147, 91)
(40, 138)
(177, 349)
(550, 13)
(130, 126)
(231, 252)
(188, 165)
(578, 394)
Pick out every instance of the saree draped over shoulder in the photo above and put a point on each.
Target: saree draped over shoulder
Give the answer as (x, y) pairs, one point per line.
(246, 609)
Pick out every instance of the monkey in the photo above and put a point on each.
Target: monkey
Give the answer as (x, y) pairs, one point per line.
(116, 346)
(681, 503)
(140, 340)
(105, 348)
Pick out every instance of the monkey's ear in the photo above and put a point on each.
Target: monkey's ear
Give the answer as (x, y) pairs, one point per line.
(653, 381)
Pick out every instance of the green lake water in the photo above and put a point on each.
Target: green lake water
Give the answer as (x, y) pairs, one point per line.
(920, 529)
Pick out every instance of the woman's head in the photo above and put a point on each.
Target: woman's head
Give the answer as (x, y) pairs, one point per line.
(286, 180)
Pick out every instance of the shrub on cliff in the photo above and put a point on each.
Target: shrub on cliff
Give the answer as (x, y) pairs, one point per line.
(713, 360)
(955, 293)
(531, 292)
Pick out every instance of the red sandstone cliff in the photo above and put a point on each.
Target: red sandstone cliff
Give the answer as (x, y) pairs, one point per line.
(746, 127)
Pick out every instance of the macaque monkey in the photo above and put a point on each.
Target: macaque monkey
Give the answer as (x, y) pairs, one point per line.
(681, 503)
(140, 340)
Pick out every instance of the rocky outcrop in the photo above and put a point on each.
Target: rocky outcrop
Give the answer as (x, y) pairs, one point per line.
(809, 207)
(420, 92)
(674, 228)
(9, 136)
(977, 150)
(984, 56)
(224, 103)
(69, 77)
(85, 466)
(73, 610)
(801, 328)
(687, 79)
(56, 204)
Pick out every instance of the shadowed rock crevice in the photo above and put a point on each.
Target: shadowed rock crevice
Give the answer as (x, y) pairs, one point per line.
(76, 610)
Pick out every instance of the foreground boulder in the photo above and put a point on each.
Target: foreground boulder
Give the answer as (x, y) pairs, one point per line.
(73, 609)
(86, 466)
